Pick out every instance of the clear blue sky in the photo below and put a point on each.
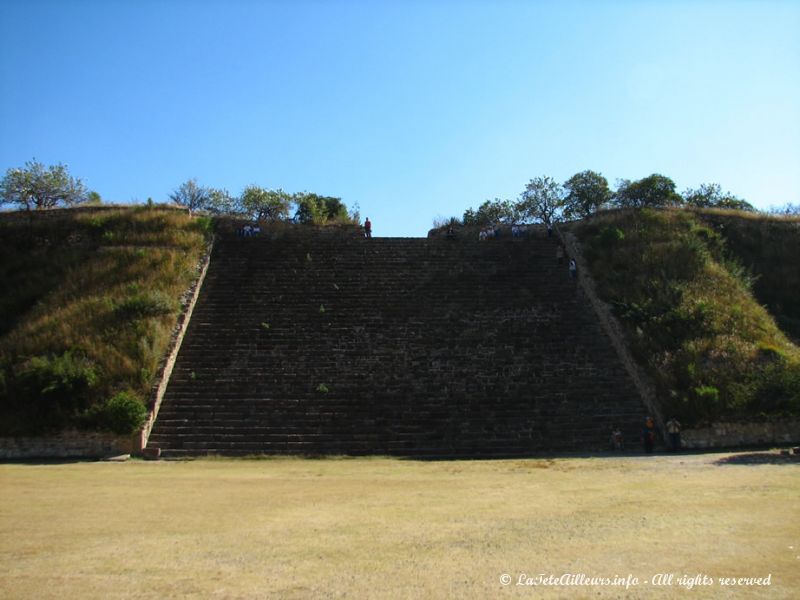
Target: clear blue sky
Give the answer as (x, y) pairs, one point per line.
(410, 109)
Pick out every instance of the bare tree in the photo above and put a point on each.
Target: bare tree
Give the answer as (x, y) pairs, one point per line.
(192, 196)
(38, 187)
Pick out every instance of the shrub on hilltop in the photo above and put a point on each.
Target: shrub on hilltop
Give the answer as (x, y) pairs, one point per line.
(261, 204)
(544, 200)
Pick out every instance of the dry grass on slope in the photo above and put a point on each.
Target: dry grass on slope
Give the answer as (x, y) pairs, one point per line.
(89, 302)
(691, 317)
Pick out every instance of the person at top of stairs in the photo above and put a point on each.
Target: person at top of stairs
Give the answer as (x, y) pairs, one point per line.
(367, 228)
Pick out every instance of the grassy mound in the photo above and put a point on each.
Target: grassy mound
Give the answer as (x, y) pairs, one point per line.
(769, 248)
(680, 289)
(90, 299)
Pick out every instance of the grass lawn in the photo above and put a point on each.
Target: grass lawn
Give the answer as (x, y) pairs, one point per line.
(385, 528)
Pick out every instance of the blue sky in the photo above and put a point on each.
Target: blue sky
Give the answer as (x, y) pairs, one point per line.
(412, 110)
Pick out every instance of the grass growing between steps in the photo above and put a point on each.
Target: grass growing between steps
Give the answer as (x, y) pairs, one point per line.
(89, 302)
(380, 528)
(691, 317)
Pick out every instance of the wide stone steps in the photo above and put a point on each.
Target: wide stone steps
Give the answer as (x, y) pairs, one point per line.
(324, 345)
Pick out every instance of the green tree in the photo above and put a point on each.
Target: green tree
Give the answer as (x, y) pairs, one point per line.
(220, 202)
(490, 212)
(190, 195)
(265, 205)
(542, 200)
(94, 199)
(586, 192)
(38, 187)
(710, 195)
(316, 209)
(652, 191)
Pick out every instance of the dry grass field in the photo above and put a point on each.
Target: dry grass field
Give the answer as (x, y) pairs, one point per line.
(385, 528)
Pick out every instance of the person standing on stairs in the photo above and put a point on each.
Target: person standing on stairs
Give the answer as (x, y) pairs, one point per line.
(367, 228)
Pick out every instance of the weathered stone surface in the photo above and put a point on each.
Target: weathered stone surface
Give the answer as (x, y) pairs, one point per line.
(736, 434)
(67, 444)
(151, 453)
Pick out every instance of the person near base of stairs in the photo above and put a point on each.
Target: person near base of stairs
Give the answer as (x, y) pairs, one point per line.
(617, 441)
(674, 430)
(649, 434)
(367, 228)
(573, 268)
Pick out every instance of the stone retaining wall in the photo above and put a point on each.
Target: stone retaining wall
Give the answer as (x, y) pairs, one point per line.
(67, 444)
(729, 435)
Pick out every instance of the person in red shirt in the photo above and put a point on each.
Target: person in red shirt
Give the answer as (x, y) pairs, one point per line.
(367, 228)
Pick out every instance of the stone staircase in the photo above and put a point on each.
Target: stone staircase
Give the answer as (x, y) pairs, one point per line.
(314, 344)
